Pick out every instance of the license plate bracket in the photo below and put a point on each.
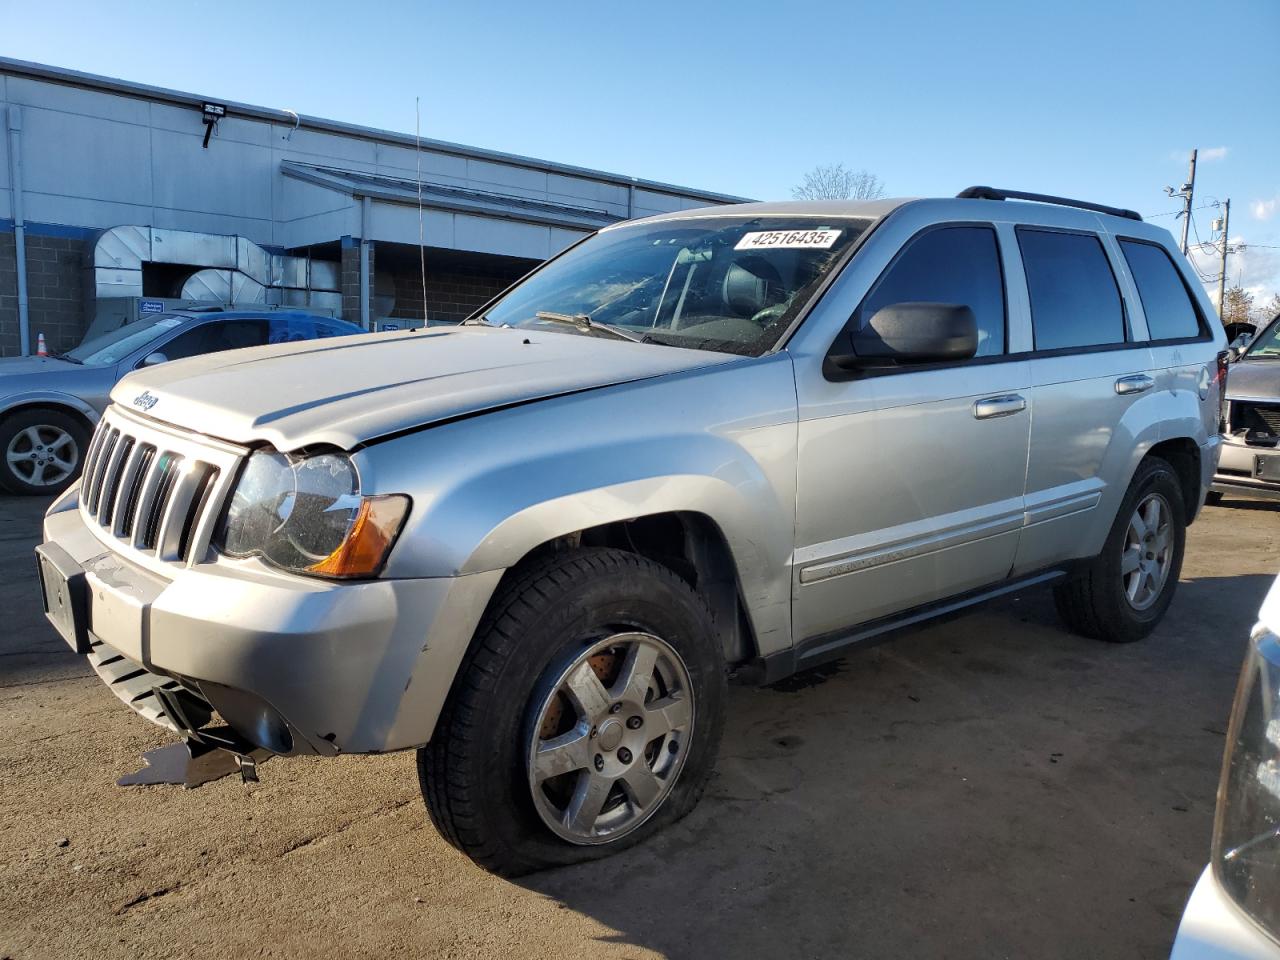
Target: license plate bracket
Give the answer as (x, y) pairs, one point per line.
(66, 596)
(1267, 467)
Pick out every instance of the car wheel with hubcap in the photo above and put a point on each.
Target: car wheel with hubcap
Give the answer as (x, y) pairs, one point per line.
(42, 451)
(1122, 594)
(585, 716)
(610, 738)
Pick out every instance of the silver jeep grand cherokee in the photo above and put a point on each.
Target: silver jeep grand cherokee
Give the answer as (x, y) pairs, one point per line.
(743, 439)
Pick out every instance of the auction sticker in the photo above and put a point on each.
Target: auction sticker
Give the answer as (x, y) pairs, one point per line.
(788, 240)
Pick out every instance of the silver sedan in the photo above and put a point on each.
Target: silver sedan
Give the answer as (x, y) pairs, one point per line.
(48, 405)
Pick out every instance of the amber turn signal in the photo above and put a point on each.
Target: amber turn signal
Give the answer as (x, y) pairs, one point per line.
(372, 534)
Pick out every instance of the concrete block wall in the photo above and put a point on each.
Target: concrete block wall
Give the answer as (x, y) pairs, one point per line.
(455, 291)
(55, 295)
(349, 278)
(9, 343)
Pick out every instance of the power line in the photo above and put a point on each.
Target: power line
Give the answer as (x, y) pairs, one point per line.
(1176, 213)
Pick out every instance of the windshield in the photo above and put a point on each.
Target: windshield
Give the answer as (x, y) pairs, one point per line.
(1267, 343)
(114, 346)
(718, 283)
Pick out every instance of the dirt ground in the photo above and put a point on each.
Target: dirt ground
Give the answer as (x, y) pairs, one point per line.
(990, 787)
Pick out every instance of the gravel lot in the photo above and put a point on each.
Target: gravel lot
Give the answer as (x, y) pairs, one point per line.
(990, 787)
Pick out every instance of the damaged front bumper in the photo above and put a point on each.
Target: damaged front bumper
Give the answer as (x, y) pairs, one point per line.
(291, 665)
(1246, 468)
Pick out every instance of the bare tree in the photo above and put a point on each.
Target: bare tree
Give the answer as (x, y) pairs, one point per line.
(1238, 307)
(1268, 311)
(835, 181)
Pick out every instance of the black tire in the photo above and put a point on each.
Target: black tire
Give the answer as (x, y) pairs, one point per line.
(473, 773)
(46, 420)
(1093, 602)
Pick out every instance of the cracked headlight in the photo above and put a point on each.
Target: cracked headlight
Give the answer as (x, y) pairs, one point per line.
(306, 515)
(1246, 836)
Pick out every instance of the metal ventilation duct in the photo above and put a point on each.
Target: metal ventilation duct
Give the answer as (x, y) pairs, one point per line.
(227, 269)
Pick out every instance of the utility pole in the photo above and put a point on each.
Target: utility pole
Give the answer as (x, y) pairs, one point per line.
(1226, 238)
(1187, 192)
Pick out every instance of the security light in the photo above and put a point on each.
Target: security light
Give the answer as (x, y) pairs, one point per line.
(211, 113)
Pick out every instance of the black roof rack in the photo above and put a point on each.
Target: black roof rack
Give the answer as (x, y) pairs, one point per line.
(993, 193)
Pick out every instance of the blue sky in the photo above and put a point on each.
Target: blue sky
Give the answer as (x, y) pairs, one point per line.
(1100, 100)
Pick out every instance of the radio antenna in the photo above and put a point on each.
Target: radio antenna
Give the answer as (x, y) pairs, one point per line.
(422, 250)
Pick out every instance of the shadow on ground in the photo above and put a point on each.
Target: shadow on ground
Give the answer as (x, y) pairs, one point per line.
(989, 787)
(972, 789)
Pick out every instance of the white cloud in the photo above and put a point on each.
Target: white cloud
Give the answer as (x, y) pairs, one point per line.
(1208, 153)
(1257, 269)
(1265, 209)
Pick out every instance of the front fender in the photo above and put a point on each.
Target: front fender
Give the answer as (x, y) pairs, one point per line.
(49, 398)
(491, 489)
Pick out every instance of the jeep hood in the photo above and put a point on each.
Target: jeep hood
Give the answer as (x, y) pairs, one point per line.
(350, 390)
(1255, 379)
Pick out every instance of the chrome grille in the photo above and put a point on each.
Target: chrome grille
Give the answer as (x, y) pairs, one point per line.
(154, 490)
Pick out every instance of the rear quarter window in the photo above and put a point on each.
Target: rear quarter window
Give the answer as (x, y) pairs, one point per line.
(1075, 301)
(1171, 314)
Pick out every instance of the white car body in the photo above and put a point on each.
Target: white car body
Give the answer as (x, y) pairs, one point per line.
(1213, 927)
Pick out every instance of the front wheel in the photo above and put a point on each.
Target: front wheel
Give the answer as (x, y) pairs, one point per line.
(1124, 592)
(584, 718)
(43, 451)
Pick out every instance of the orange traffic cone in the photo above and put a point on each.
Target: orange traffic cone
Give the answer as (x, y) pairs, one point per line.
(41, 349)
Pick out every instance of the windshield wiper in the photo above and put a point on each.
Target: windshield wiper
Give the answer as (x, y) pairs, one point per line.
(584, 323)
(69, 358)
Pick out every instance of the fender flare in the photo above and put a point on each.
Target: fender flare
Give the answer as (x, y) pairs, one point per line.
(49, 398)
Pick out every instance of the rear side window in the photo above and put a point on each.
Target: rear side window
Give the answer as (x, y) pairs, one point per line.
(292, 329)
(949, 265)
(1170, 313)
(326, 328)
(1074, 298)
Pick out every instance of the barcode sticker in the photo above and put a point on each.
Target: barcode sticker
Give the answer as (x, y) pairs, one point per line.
(788, 240)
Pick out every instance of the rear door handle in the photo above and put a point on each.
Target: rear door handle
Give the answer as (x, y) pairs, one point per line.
(1004, 405)
(1138, 383)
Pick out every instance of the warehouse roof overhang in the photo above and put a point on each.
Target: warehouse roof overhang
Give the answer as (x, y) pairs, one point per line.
(438, 196)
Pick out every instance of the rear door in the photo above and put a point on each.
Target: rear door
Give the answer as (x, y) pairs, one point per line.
(910, 478)
(1183, 352)
(1087, 368)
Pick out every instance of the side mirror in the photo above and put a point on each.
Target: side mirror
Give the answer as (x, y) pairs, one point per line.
(909, 333)
(151, 359)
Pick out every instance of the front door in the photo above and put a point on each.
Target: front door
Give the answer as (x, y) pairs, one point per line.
(910, 480)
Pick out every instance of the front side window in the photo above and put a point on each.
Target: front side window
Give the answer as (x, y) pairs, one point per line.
(214, 337)
(728, 283)
(1074, 298)
(1170, 313)
(958, 265)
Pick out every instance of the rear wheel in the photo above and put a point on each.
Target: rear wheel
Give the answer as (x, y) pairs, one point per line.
(585, 717)
(1124, 592)
(42, 451)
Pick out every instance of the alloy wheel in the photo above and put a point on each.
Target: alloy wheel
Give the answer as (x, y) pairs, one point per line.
(1148, 551)
(42, 455)
(611, 737)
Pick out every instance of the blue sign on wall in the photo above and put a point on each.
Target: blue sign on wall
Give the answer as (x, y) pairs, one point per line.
(151, 306)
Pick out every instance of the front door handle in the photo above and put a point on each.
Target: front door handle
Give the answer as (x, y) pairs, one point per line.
(1138, 383)
(1004, 405)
